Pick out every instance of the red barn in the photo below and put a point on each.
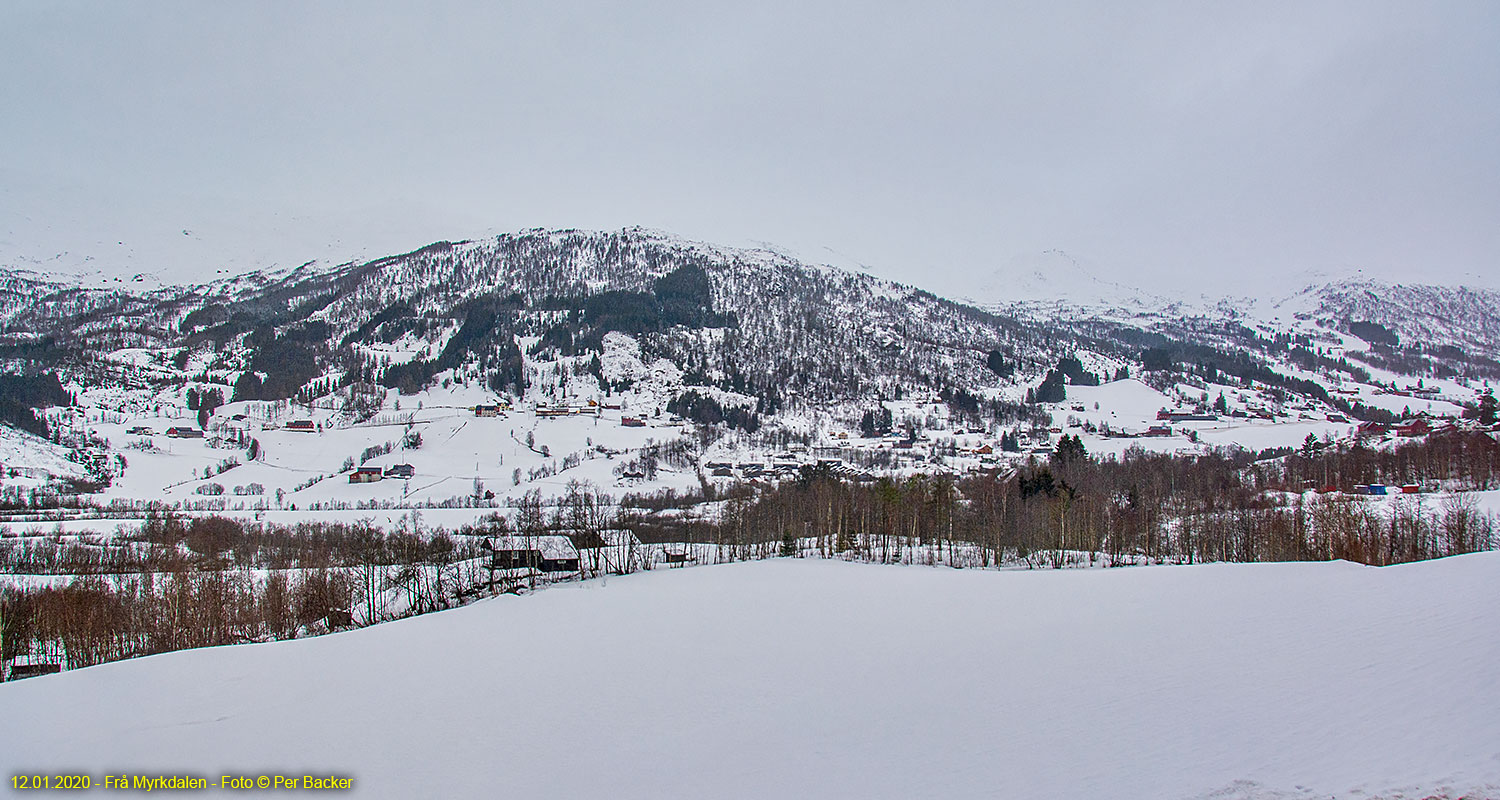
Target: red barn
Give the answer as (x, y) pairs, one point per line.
(1416, 427)
(366, 475)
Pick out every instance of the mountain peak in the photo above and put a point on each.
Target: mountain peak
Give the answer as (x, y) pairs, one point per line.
(1057, 281)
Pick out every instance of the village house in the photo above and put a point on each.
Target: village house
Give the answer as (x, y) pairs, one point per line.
(548, 553)
(1416, 427)
(1185, 416)
(365, 475)
(1371, 429)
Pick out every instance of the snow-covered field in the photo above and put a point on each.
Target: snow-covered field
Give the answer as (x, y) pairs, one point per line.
(806, 678)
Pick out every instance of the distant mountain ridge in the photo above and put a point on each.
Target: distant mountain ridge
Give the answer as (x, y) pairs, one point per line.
(1053, 284)
(521, 312)
(1055, 281)
(1460, 316)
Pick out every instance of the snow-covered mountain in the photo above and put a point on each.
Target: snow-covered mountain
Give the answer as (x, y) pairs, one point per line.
(724, 312)
(818, 329)
(1433, 316)
(1054, 282)
(749, 339)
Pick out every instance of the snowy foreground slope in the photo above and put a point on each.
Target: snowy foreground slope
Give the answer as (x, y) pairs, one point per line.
(793, 678)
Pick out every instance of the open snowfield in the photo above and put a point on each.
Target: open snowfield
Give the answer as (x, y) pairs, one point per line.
(793, 678)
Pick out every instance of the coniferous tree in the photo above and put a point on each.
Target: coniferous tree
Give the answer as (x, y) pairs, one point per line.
(1069, 450)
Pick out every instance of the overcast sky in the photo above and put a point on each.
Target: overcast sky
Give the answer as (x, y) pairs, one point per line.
(1210, 146)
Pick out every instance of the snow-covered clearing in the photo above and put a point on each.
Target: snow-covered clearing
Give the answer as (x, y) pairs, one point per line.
(811, 678)
(23, 451)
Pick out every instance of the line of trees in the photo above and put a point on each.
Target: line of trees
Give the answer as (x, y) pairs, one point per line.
(177, 583)
(1463, 459)
(95, 618)
(1144, 507)
(188, 595)
(169, 542)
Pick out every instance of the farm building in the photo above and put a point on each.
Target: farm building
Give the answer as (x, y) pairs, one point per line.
(1416, 427)
(28, 667)
(1368, 429)
(1185, 416)
(302, 425)
(365, 475)
(486, 411)
(543, 553)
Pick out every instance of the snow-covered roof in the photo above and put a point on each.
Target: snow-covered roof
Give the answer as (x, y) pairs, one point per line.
(551, 547)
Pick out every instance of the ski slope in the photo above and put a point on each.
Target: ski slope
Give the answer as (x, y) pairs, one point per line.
(793, 678)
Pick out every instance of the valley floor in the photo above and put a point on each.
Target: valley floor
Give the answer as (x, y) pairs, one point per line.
(813, 678)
